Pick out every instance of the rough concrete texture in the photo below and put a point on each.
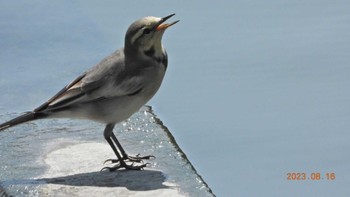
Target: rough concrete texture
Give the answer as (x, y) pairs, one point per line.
(70, 174)
(65, 158)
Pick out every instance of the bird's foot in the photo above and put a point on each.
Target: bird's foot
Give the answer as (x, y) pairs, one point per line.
(128, 159)
(136, 158)
(122, 164)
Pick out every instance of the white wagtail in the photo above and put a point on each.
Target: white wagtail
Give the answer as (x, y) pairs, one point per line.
(115, 88)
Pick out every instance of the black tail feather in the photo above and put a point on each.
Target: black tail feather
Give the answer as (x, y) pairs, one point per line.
(28, 116)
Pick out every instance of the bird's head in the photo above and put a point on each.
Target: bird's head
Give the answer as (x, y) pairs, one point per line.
(145, 35)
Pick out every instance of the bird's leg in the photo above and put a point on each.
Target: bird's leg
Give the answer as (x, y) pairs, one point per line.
(126, 157)
(121, 161)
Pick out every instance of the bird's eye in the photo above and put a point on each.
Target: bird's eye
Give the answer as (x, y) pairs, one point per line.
(146, 31)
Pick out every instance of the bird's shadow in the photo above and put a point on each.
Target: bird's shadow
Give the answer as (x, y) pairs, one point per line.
(143, 180)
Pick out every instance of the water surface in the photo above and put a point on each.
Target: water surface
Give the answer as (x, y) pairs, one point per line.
(253, 91)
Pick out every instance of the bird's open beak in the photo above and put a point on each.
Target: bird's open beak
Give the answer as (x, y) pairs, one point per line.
(162, 26)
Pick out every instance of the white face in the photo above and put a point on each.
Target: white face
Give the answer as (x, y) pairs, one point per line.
(147, 23)
(148, 37)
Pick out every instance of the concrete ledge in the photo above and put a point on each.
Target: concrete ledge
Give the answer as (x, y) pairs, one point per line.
(64, 158)
(73, 176)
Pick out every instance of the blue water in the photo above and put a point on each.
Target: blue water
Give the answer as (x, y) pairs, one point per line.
(253, 91)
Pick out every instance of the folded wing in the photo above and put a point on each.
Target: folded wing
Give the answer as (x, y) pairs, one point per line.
(106, 80)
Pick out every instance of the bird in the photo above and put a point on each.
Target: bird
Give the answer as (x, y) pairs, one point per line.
(114, 89)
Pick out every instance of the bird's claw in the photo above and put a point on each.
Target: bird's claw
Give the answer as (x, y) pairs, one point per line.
(111, 160)
(126, 166)
(130, 159)
(136, 158)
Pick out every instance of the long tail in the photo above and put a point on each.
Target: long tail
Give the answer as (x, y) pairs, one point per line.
(28, 116)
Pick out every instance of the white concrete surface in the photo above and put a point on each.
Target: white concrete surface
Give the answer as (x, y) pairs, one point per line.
(74, 170)
(48, 159)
